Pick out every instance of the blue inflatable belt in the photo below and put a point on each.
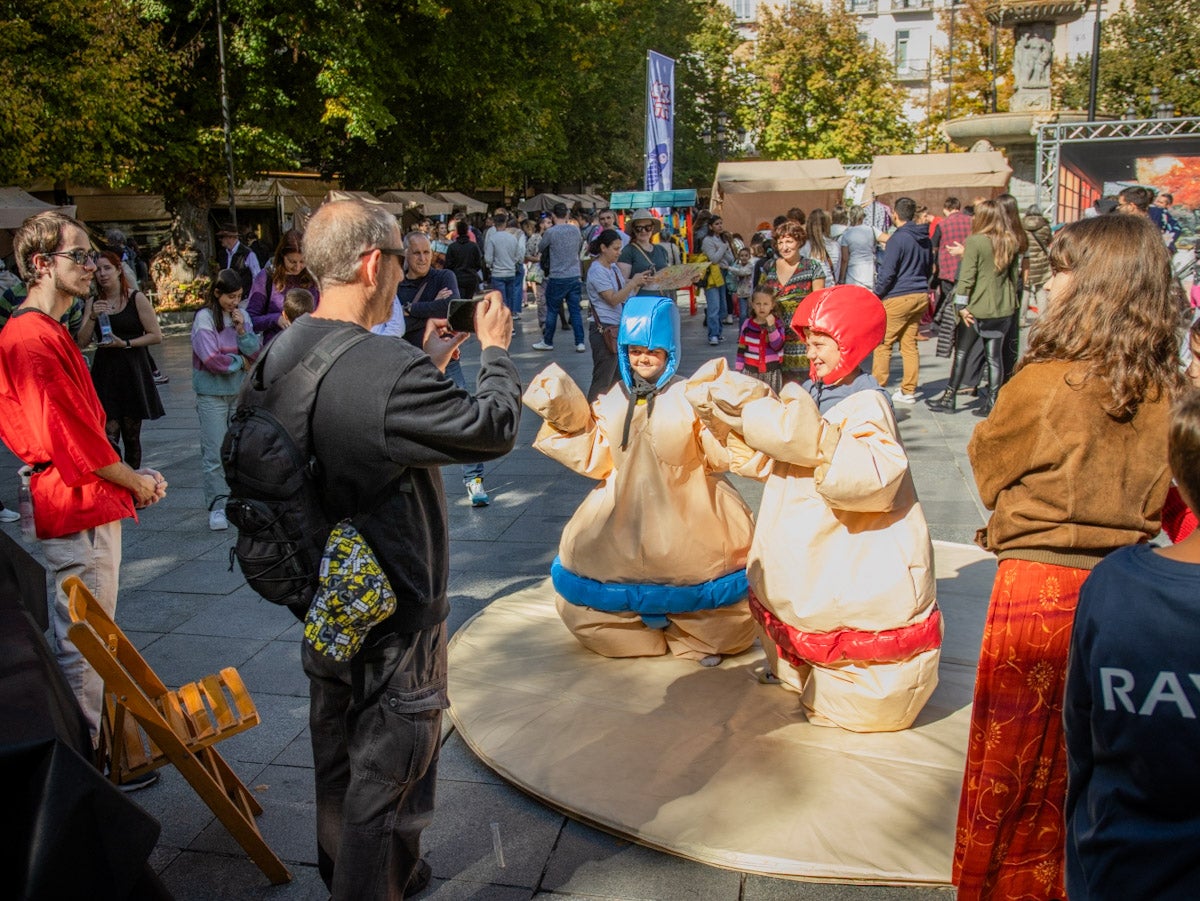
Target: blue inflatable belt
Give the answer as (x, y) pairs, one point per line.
(652, 602)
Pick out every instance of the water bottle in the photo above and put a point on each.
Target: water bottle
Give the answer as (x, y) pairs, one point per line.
(106, 334)
(25, 504)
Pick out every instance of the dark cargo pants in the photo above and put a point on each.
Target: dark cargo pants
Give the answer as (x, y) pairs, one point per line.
(375, 725)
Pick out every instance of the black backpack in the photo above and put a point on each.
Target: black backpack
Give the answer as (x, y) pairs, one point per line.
(274, 478)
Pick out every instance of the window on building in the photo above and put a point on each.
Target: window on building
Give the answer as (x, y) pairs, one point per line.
(743, 10)
(902, 40)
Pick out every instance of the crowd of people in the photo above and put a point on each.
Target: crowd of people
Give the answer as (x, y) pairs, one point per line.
(1100, 397)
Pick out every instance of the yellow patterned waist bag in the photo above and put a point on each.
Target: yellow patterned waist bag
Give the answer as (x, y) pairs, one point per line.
(353, 595)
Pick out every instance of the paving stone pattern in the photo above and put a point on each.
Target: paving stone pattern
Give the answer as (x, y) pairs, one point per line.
(190, 615)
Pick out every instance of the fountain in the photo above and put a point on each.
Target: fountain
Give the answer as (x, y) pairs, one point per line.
(1034, 23)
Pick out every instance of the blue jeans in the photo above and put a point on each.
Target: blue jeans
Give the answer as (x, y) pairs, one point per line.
(375, 723)
(558, 290)
(454, 372)
(509, 287)
(712, 310)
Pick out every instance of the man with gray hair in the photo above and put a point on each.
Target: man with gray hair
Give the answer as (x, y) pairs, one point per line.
(384, 420)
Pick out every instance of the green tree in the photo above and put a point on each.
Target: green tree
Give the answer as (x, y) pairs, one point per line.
(1153, 43)
(971, 91)
(80, 82)
(819, 93)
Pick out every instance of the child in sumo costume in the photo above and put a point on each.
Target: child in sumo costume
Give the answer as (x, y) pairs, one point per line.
(654, 558)
(841, 570)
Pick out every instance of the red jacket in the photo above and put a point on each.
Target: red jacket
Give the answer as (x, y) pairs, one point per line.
(50, 414)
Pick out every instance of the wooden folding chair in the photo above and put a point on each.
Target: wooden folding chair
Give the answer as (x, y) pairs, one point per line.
(145, 725)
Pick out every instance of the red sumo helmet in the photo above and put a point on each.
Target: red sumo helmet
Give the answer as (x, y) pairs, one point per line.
(852, 316)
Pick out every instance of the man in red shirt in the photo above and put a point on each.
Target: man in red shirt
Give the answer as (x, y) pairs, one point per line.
(52, 420)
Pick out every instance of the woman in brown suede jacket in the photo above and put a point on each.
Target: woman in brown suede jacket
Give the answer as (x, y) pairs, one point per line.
(1072, 461)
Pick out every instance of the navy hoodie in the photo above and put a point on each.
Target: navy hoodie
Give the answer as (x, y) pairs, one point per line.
(907, 259)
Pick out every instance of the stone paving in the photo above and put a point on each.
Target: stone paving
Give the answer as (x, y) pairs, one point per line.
(190, 615)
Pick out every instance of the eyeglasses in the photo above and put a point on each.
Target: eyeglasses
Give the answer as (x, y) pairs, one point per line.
(78, 257)
(643, 228)
(397, 252)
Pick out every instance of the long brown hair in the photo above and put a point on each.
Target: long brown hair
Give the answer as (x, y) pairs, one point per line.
(818, 231)
(291, 242)
(990, 221)
(1008, 204)
(1118, 314)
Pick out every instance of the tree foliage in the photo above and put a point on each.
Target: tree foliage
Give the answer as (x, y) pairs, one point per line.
(970, 93)
(819, 93)
(1153, 43)
(79, 81)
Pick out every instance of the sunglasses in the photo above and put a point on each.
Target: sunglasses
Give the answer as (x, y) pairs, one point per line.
(397, 252)
(78, 257)
(643, 228)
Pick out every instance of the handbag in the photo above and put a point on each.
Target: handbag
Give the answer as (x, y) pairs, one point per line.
(353, 595)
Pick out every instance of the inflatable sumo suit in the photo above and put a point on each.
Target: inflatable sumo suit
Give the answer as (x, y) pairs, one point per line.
(841, 570)
(654, 558)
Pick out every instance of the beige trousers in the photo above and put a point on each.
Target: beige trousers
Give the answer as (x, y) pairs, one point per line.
(95, 556)
(904, 314)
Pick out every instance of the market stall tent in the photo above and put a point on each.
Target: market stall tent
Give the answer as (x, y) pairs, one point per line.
(747, 193)
(542, 203)
(430, 205)
(462, 201)
(16, 206)
(929, 178)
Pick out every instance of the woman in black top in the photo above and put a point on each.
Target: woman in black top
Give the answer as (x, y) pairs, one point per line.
(464, 259)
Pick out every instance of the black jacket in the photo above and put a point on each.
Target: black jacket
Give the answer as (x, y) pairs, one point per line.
(384, 410)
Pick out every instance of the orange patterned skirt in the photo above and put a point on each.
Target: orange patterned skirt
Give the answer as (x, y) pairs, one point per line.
(1010, 836)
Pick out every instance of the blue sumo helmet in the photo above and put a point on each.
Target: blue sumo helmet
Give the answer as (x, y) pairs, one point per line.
(651, 322)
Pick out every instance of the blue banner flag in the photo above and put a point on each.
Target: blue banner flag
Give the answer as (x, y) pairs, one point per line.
(660, 121)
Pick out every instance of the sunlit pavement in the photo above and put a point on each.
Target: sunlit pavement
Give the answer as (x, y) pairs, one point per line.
(191, 615)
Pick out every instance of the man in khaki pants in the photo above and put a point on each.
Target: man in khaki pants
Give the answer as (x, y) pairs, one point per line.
(902, 283)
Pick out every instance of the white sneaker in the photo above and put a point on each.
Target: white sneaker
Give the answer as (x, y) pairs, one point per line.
(542, 345)
(900, 397)
(217, 521)
(580, 348)
(475, 492)
(714, 341)
(7, 515)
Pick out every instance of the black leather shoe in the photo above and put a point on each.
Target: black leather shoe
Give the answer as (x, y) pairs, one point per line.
(945, 403)
(419, 880)
(984, 407)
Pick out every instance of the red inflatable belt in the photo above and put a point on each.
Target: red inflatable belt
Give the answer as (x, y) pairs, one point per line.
(890, 646)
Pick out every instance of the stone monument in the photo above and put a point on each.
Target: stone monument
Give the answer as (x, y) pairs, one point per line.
(1034, 24)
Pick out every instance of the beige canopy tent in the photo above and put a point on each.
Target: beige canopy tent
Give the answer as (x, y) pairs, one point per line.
(542, 203)
(462, 201)
(396, 209)
(747, 193)
(16, 206)
(98, 204)
(430, 205)
(929, 178)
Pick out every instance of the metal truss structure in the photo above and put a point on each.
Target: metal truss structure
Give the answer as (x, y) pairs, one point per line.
(1147, 137)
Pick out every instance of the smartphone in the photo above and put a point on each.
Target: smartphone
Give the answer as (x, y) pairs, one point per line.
(462, 314)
